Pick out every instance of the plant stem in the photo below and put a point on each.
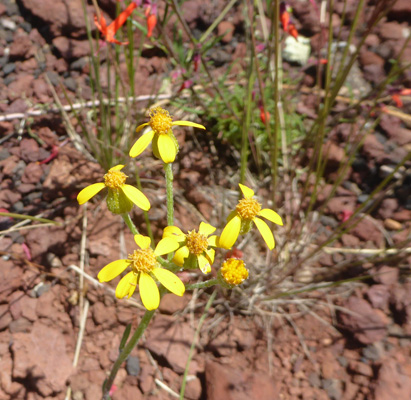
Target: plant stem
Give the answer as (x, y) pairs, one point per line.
(169, 187)
(202, 285)
(130, 223)
(126, 352)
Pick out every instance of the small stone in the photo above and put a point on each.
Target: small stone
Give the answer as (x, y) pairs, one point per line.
(133, 365)
(374, 352)
(314, 379)
(392, 225)
(387, 275)
(333, 387)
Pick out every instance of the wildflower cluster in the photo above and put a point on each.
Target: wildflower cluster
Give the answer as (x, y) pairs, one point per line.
(191, 250)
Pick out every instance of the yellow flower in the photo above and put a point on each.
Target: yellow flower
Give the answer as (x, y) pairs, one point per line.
(233, 272)
(240, 221)
(120, 197)
(144, 270)
(165, 144)
(195, 246)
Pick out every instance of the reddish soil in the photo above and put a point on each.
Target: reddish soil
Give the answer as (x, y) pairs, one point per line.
(350, 342)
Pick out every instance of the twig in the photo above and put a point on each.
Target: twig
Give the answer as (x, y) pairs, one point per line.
(166, 388)
(78, 106)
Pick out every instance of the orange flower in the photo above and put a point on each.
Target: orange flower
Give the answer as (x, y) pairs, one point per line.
(285, 20)
(151, 24)
(264, 115)
(397, 100)
(111, 30)
(293, 31)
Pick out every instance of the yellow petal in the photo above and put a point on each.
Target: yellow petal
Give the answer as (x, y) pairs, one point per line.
(142, 241)
(88, 192)
(117, 168)
(166, 148)
(206, 229)
(210, 254)
(265, 232)
(213, 241)
(110, 271)
(166, 245)
(271, 216)
(188, 123)
(203, 264)
(136, 196)
(247, 192)
(149, 293)
(141, 144)
(180, 255)
(170, 281)
(174, 232)
(127, 285)
(140, 127)
(230, 233)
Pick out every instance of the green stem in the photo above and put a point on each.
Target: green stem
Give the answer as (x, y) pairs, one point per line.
(130, 223)
(169, 187)
(202, 285)
(126, 352)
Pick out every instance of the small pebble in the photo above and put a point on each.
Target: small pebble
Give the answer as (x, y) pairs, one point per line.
(392, 225)
(133, 365)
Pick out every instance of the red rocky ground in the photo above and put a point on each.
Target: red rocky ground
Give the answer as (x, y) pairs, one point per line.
(353, 342)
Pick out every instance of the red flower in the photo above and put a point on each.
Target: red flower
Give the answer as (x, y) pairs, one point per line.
(151, 24)
(111, 30)
(264, 115)
(397, 99)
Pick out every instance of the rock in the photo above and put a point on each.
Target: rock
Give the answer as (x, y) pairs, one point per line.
(378, 295)
(103, 315)
(333, 387)
(370, 58)
(374, 73)
(374, 351)
(32, 173)
(387, 275)
(29, 150)
(393, 30)
(71, 48)
(392, 225)
(43, 240)
(373, 149)
(401, 9)
(366, 324)
(20, 48)
(41, 357)
(8, 198)
(226, 30)
(10, 278)
(21, 87)
(22, 306)
(171, 303)
(133, 366)
(5, 317)
(170, 340)
(394, 381)
(369, 229)
(62, 17)
(231, 383)
(388, 207)
(361, 368)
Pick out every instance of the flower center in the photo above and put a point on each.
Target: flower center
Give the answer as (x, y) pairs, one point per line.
(234, 271)
(160, 121)
(248, 208)
(143, 260)
(114, 179)
(196, 242)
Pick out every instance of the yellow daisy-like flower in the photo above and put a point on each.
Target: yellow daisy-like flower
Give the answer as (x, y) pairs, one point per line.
(195, 247)
(120, 197)
(240, 221)
(233, 272)
(165, 145)
(144, 270)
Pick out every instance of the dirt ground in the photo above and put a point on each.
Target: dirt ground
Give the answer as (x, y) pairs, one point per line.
(350, 342)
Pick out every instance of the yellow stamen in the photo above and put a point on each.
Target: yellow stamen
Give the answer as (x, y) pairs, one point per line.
(196, 242)
(248, 208)
(114, 179)
(143, 260)
(160, 121)
(234, 272)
